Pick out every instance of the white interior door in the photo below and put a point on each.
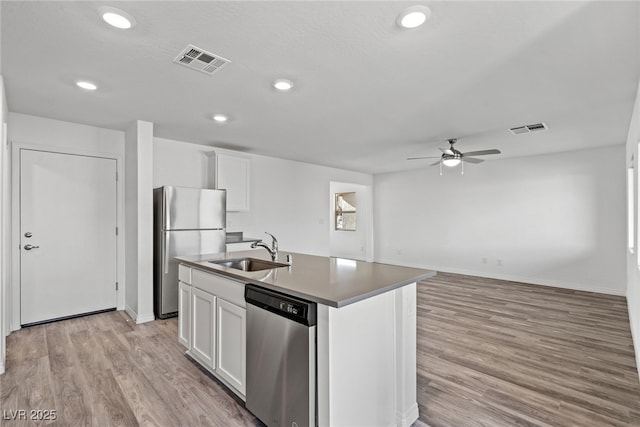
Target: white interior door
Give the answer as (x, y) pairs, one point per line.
(67, 235)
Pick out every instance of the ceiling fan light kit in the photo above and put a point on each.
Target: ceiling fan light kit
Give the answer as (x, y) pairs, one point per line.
(451, 157)
(459, 162)
(452, 161)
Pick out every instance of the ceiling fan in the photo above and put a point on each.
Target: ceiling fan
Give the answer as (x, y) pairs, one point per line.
(451, 157)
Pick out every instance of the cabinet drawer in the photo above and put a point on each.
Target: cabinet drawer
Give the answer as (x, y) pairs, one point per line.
(184, 274)
(227, 289)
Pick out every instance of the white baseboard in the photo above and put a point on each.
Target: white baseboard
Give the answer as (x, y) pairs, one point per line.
(131, 312)
(634, 337)
(514, 278)
(139, 318)
(407, 418)
(1, 368)
(144, 318)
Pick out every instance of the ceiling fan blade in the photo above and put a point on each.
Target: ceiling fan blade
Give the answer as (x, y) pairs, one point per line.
(419, 158)
(436, 163)
(482, 152)
(471, 160)
(446, 150)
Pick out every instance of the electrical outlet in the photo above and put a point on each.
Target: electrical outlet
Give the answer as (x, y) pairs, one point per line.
(499, 263)
(399, 251)
(484, 260)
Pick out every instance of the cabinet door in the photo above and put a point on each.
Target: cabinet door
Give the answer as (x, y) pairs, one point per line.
(232, 174)
(203, 327)
(184, 314)
(231, 343)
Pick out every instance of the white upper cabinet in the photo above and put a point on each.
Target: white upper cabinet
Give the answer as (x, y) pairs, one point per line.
(231, 173)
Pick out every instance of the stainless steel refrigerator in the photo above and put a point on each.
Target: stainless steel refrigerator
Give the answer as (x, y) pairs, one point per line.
(187, 221)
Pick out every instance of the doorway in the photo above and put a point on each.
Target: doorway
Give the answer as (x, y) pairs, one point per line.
(350, 221)
(68, 235)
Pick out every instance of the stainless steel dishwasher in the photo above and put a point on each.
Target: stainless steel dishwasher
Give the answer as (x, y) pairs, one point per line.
(281, 358)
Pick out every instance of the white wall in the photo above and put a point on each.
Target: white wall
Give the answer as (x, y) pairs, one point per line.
(181, 164)
(131, 221)
(287, 198)
(139, 221)
(5, 248)
(54, 135)
(555, 220)
(633, 259)
(65, 135)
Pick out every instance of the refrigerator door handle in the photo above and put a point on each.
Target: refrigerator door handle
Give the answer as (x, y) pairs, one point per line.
(165, 255)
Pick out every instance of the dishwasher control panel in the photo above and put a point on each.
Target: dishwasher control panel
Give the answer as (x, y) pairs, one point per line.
(293, 308)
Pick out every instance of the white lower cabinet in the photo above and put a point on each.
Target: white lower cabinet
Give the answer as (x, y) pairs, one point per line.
(203, 327)
(212, 325)
(184, 314)
(231, 344)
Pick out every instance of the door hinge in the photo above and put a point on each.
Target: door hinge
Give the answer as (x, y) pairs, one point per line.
(116, 286)
(116, 231)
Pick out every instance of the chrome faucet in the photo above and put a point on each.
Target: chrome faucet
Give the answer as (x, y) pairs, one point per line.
(273, 250)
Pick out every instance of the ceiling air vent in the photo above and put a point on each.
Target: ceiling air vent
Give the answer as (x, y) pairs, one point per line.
(200, 60)
(528, 128)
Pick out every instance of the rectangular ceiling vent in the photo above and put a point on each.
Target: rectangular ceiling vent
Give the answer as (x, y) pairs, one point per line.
(528, 128)
(200, 60)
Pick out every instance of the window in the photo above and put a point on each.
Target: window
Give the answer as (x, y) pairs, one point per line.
(345, 208)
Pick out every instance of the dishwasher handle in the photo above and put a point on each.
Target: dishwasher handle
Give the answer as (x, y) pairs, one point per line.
(296, 309)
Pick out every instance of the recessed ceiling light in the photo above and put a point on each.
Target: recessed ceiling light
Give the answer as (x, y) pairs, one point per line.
(220, 118)
(283, 84)
(413, 16)
(86, 85)
(117, 18)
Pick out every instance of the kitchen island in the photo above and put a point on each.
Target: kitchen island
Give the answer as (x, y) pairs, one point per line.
(366, 329)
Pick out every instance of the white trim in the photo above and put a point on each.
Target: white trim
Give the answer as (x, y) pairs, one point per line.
(1, 368)
(512, 278)
(323, 364)
(14, 289)
(405, 355)
(634, 337)
(407, 418)
(144, 318)
(131, 312)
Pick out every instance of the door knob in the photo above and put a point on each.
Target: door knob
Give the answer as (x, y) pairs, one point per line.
(29, 247)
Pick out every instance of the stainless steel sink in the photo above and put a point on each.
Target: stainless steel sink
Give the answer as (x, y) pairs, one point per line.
(249, 264)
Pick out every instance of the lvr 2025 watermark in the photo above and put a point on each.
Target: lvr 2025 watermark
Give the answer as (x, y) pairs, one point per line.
(30, 414)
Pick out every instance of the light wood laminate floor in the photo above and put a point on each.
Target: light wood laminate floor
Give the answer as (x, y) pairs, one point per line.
(104, 370)
(497, 353)
(490, 353)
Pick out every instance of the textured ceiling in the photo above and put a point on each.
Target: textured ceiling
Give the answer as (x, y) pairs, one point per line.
(368, 94)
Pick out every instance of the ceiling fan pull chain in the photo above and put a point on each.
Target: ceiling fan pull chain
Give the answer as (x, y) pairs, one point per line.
(462, 164)
(440, 167)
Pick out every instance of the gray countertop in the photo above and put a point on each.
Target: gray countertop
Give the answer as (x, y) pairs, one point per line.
(331, 281)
